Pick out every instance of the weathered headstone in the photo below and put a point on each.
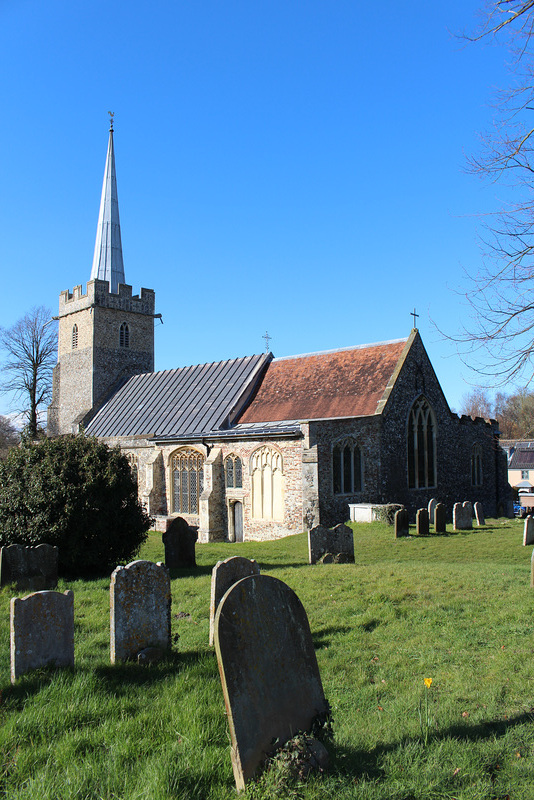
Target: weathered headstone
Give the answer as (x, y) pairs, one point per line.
(179, 541)
(462, 516)
(140, 609)
(479, 513)
(421, 522)
(402, 523)
(223, 575)
(528, 530)
(431, 510)
(336, 540)
(33, 568)
(269, 673)
(440, 518)
(41, 631)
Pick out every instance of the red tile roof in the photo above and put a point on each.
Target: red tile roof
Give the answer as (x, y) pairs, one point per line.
(341, 383)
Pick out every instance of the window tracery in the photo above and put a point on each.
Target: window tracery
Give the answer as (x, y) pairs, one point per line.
(187, 468)
(266, 468)
(347, 467)
(421, 436)
(233, 472)
(124, 335)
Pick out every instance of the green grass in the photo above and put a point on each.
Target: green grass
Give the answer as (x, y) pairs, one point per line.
(456, 608)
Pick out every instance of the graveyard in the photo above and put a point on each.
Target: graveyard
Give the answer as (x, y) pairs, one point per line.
(424, 647)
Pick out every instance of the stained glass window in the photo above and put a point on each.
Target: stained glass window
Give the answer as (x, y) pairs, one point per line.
(187, 480)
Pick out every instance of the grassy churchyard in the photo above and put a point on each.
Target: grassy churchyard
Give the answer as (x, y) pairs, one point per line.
(456, 608)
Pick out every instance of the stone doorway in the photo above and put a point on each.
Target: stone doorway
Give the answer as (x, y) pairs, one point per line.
(235, 534)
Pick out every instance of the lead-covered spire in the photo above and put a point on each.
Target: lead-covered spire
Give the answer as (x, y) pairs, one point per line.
(107, 260)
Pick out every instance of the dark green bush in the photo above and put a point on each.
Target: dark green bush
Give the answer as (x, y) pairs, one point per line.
(76, 493)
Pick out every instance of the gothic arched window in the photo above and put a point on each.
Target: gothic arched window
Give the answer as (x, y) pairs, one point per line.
(421, 437)
(347, 467)
(267, 477)
(74, 336)
(233, 472)
(187, 467)
(476, 465)
(124, 335)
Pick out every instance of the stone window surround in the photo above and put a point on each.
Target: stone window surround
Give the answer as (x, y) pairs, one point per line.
(124, 335)
(342, 442)
(278, 453)
(422, 401)
(477, 473)
(183, 449)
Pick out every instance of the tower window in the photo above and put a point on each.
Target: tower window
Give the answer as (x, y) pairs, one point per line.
(124, 335)
(74, 336)
(476, 465)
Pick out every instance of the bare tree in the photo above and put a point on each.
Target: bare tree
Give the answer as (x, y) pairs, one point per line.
(9, 436)
(499, 339)
(30, 348)
(478, 403)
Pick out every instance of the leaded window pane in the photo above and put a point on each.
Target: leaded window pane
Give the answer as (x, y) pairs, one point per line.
(238, 474)
(230, 473)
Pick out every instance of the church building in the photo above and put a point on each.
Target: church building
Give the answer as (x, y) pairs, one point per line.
(260, 447)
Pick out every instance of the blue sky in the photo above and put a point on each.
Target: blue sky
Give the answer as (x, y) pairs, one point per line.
(296, 166)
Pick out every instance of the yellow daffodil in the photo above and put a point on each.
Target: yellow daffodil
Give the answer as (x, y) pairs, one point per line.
(428, 682)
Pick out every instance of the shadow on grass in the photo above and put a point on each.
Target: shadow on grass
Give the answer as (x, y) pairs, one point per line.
(321, 637)
(360, 763)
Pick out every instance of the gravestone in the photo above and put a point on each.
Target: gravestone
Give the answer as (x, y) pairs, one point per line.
(528, 530)
(462, 516)
(140, 609)
(479, 513)
(223, 575)
(41, 631)
(179, 541)
(33, 568)
(337, 541)
(440, 518)
(431, 510)
(269, 674)
(421, 522)
(402, 523)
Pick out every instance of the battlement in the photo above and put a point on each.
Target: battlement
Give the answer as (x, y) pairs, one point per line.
(98, 294)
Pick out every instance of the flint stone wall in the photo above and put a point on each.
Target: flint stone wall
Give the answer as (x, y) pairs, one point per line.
(269, 673)
(41, 631)
(140, 609)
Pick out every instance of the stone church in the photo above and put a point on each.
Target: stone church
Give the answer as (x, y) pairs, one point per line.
(260, 447)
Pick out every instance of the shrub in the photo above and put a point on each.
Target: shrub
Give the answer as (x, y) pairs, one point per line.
(387, 513)
(76, 493)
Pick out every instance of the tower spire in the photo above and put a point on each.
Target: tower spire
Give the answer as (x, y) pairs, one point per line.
(107, 260)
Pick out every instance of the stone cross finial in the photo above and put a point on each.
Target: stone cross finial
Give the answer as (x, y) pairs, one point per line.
(414, 315)
(267, 340)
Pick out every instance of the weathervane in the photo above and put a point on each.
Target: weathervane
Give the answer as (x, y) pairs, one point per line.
(111, 115)
(414, 315)
(267, 340)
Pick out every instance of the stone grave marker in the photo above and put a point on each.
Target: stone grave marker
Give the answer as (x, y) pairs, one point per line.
(432, 510)
(41, 631)
(440, 518)
(179, 541)
(338, 541)
(462, 516)
(268, 668)
(223, 575)
(479, 513)
(31, 568)
(528, 530)
(421, 522)
(140, 609)
(402, 523)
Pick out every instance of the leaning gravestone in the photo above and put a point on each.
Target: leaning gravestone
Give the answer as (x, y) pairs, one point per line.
(462, 516)
(179, 542)
(140, 609)
(402, 523)
(33, 568)
(41, 631)
(528, 530)
(440, 518)
(223, 575)
(421, 522)
(338, 541)
(270, 678)
(479, 513)
(432, 510)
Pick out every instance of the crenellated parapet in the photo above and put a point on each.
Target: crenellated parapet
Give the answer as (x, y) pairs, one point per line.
(98, 294)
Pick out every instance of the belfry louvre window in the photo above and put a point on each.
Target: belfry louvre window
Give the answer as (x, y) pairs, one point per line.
(187, 468)
(233, 470)
(267, 479)
(476, 465)
(74, 336)
(347, 468)
(421, 436)
(124, 335)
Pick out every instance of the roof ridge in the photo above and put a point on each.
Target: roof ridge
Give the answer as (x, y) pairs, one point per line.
(343, 349)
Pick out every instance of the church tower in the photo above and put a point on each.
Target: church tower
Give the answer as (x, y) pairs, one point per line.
(106, 335)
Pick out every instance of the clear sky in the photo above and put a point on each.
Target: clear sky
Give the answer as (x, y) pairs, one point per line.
(296, 166)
